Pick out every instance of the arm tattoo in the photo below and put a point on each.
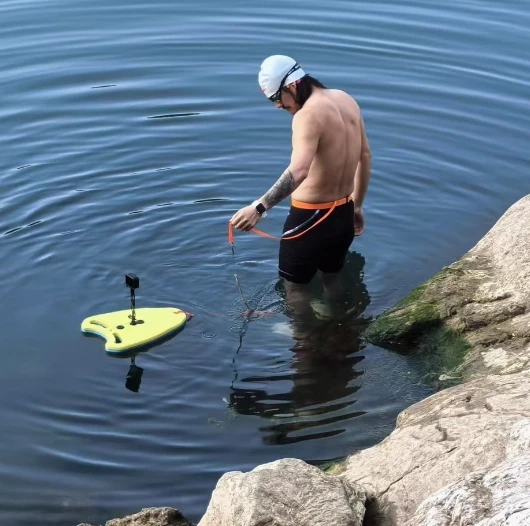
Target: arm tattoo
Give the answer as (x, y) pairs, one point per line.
(282, 188)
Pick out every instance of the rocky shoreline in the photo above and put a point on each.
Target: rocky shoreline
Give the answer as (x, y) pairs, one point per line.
(459, 457)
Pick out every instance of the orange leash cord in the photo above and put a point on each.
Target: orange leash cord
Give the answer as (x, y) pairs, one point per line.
(268, 236)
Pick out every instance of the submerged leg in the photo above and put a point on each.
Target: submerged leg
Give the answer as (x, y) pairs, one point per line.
(334, 294)
(298, 308)
(297, 302)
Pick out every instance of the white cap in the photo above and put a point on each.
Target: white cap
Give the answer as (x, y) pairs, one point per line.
(273, 70)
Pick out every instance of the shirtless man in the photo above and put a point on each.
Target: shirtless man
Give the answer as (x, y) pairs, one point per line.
(330, 169)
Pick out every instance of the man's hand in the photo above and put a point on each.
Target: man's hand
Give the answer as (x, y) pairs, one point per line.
(358, 221)
(246, 218)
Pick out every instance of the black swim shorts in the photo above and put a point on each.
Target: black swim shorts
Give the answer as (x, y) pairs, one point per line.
(323, 247)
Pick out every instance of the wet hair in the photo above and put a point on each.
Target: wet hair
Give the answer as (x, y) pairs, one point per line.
(305, 87)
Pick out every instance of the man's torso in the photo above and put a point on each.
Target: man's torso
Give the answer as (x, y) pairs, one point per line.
(339, 123)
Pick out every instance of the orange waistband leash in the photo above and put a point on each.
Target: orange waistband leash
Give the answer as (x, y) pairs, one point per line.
(320, 206)
(331, 205)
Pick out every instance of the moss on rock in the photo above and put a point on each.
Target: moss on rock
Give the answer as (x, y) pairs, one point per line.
(404, 322)
(423, 309)
(439, 356)
(417, 326)
(333, 467)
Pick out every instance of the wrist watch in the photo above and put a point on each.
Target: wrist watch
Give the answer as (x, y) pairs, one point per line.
(261, 210)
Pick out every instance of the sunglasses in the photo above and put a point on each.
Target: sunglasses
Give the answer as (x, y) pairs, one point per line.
(276, 97)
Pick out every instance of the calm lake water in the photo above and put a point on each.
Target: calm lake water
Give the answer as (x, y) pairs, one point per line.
(130, 133)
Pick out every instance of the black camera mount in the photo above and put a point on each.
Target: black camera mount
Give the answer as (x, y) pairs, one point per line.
(132, 281)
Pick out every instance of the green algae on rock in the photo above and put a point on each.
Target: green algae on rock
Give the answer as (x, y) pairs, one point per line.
(423, 323)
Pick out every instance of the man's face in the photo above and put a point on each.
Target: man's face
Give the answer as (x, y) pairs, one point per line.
(287, 100)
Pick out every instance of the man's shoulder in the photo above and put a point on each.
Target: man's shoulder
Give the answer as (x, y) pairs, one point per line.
(307, 117)
(341, 95)
(306, 112)
(313, 107)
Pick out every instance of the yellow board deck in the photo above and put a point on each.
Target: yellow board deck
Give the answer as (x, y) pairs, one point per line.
(152, 324)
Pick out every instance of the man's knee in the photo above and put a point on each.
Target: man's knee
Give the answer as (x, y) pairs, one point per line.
(297, 276)
(293, 287)
(329, 278)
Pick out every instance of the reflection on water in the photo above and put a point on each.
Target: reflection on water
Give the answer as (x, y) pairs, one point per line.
(310, 393)
(134, 377)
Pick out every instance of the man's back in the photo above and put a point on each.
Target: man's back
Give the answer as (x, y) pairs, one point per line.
(338, 122)
(327, 177)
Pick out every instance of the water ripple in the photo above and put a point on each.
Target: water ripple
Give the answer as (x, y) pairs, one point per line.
(103, 173)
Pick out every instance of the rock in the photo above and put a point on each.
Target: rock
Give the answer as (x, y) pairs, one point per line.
(519, 439)
(151, 517)
(471, 318)
(441, 439)
(287, 492)
(496, 497)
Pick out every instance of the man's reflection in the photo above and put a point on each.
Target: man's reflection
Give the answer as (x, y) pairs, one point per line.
(321, 372)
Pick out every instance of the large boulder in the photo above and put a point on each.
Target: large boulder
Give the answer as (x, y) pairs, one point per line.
(497, 497)
(473, 317)
(287, 492)
(439, 441)
(470, 322)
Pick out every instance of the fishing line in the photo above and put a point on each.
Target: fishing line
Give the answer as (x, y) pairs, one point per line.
(238, 284)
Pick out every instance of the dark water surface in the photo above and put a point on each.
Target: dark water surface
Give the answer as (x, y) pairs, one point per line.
(130, 133)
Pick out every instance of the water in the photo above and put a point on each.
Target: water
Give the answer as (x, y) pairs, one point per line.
(130, 133)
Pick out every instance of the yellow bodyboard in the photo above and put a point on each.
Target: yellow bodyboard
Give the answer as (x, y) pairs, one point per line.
(152, 324)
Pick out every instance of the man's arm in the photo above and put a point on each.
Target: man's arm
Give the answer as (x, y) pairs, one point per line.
(306, 136)
(362, 173)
